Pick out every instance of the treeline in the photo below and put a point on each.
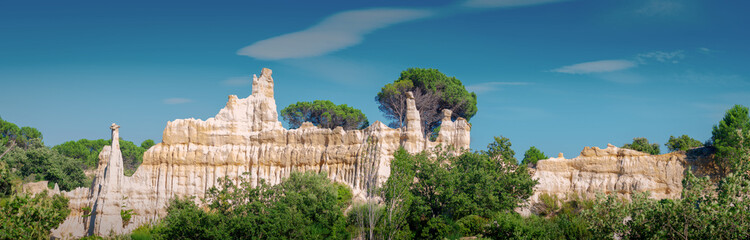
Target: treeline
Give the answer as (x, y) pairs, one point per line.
(27, 159)
(24, 158)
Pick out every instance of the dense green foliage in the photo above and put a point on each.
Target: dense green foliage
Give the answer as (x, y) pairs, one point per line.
(682, 143)
(31, 217)
(533, 155)
(12, 135)
(500, 149)
(325, 114)
(433, 90)
(436, 195)
(6, 182)
(148, 143)
(303, 206)
(642, 144)
(729, 136)
(39, 163)
(87, 152)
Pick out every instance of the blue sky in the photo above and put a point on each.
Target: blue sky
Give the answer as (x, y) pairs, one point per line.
(558, 75)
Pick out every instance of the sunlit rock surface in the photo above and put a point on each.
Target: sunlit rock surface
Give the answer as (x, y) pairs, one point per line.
(618, 171)
(245, 137)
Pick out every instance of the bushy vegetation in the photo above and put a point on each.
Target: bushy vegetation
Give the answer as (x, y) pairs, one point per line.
(682, 143)
(31, 217)
(87, 152)
(642, 144)
(325, 114)
(303, 206)
(532, 156)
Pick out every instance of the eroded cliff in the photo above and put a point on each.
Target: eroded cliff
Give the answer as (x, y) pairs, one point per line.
(245, 137)
(618, 171)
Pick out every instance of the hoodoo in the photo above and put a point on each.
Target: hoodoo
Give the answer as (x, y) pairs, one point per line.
(244, 138)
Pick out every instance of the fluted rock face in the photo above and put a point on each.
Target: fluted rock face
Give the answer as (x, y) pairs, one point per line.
(615, 170)
(245, 137)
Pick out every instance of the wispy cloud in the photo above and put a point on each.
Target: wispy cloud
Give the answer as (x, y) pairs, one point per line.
(348, 28)
(334, 33)
(661, 8)
(492, 86)
(237, 81)
(597, 67)
(176, 100)
(673, 57)
(505, 3)
(705, 50)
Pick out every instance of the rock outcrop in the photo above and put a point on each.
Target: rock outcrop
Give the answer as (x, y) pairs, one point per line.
(618, 171)
(245, 137)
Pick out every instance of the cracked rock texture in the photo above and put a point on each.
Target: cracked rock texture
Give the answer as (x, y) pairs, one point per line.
(618, 171)
(245, 137)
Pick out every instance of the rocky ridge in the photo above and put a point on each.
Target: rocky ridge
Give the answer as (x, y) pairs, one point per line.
(618, 171)
(244, 138)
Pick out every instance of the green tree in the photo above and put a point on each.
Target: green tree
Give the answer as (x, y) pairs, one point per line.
(533, 155)
(396, 196)
(42, 163)
(433, 91)
(324, 113)
(303, 206)
(87, 151)
(31, 217)
(148, 143)
(682, 143)
(11, 135)
(84, 150)
(642, 145)
(729, 137)
(6, 183)
(500, 148)
(448, 188)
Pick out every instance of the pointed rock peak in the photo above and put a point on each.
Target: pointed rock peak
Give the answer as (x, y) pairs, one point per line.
(409, 95)
(115, 136)
(232, 101)
(263, 85)
(447, 113)
(609, 145)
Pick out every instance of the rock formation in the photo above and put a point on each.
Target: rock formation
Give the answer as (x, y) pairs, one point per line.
(618, 171)
(245, 137)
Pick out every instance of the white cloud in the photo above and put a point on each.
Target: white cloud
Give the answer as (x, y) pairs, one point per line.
(491, 86)
(705, 50)
(661, 8)
(237, 81)
(334, 33)
(596, 67)
(673, 57)
(176, 100)
(505, 3)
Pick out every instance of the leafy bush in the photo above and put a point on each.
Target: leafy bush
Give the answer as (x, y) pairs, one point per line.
(39, 163)
(325, 114)
(303, 206)
(642, 145)
(31, 217)
(682, 143)
(533, 155)
(126, 214)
